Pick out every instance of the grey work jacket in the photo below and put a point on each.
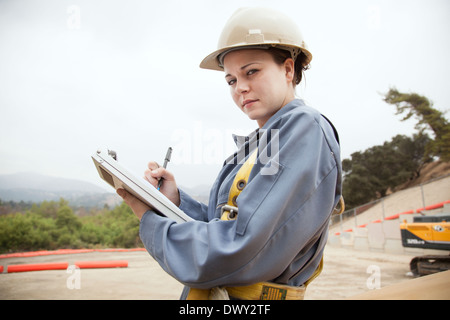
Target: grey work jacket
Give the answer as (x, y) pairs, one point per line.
(282, 225)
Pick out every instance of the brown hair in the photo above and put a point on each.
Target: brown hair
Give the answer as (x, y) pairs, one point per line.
(280, 56)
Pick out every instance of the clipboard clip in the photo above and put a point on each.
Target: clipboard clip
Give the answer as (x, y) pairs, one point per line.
(112, 154)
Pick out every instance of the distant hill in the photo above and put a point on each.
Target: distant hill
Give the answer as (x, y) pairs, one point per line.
(34, 187)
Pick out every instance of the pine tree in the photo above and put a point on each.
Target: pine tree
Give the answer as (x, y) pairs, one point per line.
(428, 118)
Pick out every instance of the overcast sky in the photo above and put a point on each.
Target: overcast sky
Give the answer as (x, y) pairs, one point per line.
(77, 75)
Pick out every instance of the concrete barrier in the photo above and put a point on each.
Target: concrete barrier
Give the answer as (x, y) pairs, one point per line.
(361, 240)
(375, 236)
(383, 235)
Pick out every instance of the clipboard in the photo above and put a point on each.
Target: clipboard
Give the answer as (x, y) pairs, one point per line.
(118, 176)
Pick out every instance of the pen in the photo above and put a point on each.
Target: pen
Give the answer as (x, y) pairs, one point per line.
(166, 160)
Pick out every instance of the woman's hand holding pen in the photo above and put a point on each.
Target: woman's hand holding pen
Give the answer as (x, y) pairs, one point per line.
(153, 174)
(169, 188)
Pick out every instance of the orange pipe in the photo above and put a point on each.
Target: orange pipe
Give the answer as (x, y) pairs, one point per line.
(65, 265)
(38, 267)
(102, 264)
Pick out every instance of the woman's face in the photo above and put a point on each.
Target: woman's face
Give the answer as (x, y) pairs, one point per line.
(259, 86)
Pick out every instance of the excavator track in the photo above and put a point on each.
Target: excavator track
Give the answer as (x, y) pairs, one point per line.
(429, 264)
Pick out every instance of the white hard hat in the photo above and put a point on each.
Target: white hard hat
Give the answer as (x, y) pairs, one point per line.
(257, 28)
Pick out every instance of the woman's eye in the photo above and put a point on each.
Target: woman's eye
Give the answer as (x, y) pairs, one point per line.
(250, 72)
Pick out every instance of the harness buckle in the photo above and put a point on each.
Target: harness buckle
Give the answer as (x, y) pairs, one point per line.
(232, 211)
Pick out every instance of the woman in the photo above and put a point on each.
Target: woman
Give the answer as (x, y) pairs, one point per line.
(265, 233)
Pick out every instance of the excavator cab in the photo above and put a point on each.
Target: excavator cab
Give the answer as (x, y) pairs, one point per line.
(428, 232)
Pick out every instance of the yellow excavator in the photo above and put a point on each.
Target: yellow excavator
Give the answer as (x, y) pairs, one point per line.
(428, 232)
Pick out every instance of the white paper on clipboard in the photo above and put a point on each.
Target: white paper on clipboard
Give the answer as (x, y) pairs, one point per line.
(118, 176)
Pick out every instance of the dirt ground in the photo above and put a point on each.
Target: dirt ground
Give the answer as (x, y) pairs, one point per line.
(349, 272)
(346, 273)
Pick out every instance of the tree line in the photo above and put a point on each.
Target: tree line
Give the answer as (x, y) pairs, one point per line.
(369, 174)
(54, 225)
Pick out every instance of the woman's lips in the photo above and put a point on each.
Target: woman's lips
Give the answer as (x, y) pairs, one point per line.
(248, 103)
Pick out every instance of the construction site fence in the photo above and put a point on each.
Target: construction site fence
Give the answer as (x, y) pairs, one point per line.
(385, 214)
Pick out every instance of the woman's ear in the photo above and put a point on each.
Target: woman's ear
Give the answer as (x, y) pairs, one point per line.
(289, 66)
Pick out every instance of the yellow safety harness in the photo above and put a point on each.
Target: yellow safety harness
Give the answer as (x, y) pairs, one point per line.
(260, 290)
(230, 210)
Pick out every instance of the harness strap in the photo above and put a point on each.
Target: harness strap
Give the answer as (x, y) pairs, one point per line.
(267, 291)
(230, 210)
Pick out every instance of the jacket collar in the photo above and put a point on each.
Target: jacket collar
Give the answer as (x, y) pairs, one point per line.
(253, 136)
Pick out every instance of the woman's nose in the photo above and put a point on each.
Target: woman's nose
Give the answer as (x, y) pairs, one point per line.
(242, 86)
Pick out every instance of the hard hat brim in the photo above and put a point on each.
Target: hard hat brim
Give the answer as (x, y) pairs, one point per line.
(211, 61)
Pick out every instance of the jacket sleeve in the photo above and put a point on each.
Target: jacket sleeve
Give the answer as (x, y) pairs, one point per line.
(195, 209)
(282, 216)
